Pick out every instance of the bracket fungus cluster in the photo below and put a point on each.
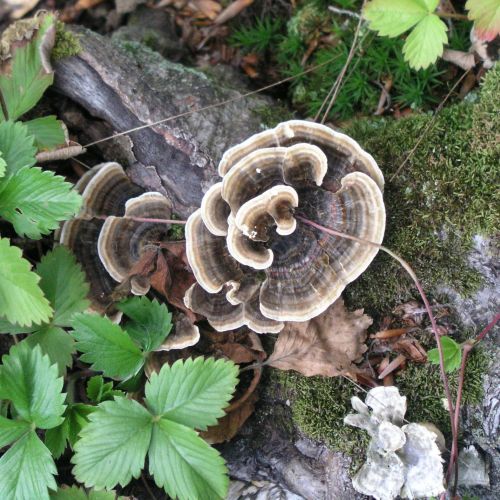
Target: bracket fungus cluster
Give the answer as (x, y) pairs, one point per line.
(255, 262)
(109, 239)
(402, 460)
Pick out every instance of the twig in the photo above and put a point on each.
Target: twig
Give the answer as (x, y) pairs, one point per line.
(144, 219)
(212, 106)
(332, 95)
(344, 12)
(428, 126)
(452, 15)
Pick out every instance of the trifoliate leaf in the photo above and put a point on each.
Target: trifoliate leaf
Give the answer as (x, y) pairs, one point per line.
(21, 299)
(35, 201)
(452, 354)
(150, 322)
(425, 43)
(31, 73)
(49, 132)
(32, 384)
(17, 147)
(27, 470)
(63, 283)
(192, 393)
(75, 493)
(393, 17)
(112, 447)
(184, 464)
(486, 17)
(10, 430)
(58, 344)
(56, 439)
(106, 346)
(98, 390)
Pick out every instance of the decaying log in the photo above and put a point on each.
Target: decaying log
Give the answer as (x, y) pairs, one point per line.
(129, 88)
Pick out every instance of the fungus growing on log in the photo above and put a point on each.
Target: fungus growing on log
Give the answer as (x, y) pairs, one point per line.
(255, 263)
(105, 239)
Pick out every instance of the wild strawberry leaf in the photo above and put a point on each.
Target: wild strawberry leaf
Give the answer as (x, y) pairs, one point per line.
(149, 321)
(30, 73)
(192, 392)
(27, 470)
(75, 493)
(486, 17)
(113, 445)
(200, 471)
(32, 384)
(63, 282)
(452, 354)
(98, 390)
(48, 131)
(11, 430)
(394, 17)
(106, 346)
(35, 201)
(425, 43)
(17, 147)
(3, 166)
(58, 344)
(21, 299)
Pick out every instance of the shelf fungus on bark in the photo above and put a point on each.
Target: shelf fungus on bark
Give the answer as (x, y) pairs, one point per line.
(105, 239)
(401, 460)
(255, 262)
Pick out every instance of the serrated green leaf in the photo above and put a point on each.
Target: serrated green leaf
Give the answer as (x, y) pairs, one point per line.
(29, 77)
(11, 430)
(56, 439)
(36, 200)
(452, 354)
(27, 470)
(13, 328)
(48, 131)
(58, 344)
(98, 390)
(394, 17)
(150, 322)
(21, 299)
(77, 416)
(75, 493)
(184, 464)
(63, 283)
(486, 17)
(112, 447)
(425, 43)
(106, 346)
(192, 393)
(17, 147)
(32, 384)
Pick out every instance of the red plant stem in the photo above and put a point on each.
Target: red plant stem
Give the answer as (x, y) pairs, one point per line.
(145, 219)
(428, 308)
(468, 346)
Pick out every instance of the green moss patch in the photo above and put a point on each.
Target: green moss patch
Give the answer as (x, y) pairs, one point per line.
(66, 43)
(446, 193)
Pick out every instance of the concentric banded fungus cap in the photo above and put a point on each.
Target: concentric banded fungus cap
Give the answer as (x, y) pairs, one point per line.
(122, 240)
(246, 236)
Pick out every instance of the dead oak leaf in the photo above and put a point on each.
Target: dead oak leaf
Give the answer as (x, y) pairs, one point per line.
(327, 345)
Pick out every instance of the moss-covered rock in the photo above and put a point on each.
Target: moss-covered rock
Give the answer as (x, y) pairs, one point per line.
(442, 196)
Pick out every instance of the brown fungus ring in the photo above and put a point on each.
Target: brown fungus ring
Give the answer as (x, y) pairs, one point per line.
(254, 262)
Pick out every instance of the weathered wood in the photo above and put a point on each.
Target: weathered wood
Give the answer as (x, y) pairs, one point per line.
(130, 89)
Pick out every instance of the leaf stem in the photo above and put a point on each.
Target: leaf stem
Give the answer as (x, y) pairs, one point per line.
(452, 15)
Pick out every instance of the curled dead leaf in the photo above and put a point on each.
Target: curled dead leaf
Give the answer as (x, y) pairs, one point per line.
(327, 345)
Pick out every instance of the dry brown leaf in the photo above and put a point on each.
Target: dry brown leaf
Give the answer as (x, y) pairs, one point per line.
(230, 424)
(232, 10)
(20, 7)
(87, 4)
(327, 345)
